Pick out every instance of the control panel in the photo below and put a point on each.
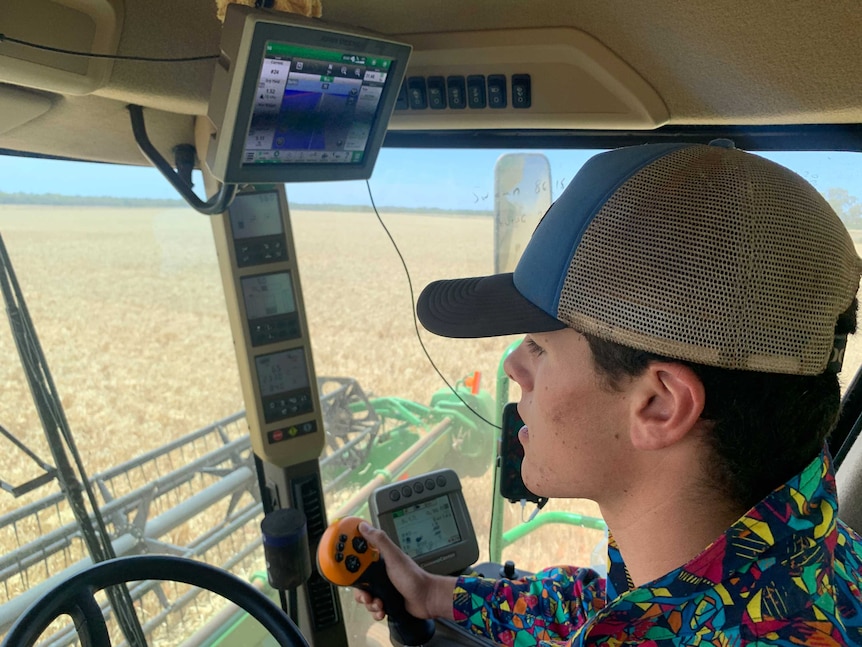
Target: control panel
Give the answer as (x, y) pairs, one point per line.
(427, 517)
(548, 77)
(264, 301)
(345, 558)
(459, 92)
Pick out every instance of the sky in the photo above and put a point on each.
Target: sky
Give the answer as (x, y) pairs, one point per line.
(446, 179)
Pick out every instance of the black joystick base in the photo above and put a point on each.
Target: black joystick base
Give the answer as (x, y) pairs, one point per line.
(405, 628)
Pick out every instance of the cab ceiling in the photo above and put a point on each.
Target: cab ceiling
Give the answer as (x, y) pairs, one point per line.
(698, 61)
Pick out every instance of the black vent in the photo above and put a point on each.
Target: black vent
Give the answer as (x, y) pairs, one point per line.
(321, 594)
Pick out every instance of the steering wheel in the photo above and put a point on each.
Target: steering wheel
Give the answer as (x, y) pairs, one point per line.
(76, 597)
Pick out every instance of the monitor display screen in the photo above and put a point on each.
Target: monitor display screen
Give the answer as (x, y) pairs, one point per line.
(268, 295)
(314, 105)
(253, 215)
(282, 372)
(298, 100)
(426, 526)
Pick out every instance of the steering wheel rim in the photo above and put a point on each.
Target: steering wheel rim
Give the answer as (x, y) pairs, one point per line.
(75, 597)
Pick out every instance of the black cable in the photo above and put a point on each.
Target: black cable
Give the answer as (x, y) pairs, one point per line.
(282, 598)
(215, 205)
(413, 312)
(113, 57)
(292, 605)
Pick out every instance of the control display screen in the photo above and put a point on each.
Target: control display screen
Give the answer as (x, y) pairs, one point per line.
(314, 105)
(426, 526)
(282, 372)
(268, 295)
(253, 215)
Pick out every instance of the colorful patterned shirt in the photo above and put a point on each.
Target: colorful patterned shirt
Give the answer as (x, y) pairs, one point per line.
(787, 573)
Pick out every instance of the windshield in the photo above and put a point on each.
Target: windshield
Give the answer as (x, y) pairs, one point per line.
(122, 285)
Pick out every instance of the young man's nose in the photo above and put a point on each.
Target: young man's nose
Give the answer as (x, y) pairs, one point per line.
(515, 368)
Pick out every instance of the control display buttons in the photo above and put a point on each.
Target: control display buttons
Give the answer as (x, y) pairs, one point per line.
(359, 544)
(476, 97)
(521, 91)
(456, 92)
(436, 92)
(417, 94)
(352, 563)
(497, 91)
(279, 435)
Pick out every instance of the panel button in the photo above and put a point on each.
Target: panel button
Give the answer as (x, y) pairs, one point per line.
(401, 100)
(418, 488)
(406, 490)
(352, 563)
(497, 91)
(456, 89)
(476, 91)
(359, 544)
(441, 480)
(417, 95)
(429, 484)
(436, 92)
(521, 92)
(394, 495)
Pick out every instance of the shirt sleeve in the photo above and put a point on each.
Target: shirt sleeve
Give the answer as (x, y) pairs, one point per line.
(549, 606)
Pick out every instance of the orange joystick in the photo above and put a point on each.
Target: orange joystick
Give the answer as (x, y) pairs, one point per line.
(345, 558)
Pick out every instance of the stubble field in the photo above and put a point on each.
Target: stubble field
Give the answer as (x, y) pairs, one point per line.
(129, 309)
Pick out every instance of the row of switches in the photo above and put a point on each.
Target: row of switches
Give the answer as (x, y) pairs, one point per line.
(458, 92)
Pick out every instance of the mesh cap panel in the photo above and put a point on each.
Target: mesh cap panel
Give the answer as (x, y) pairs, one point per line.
(717, 257)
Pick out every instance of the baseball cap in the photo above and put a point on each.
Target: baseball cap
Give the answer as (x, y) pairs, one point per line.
(703, 253)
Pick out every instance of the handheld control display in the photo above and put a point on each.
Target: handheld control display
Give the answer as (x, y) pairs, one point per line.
(427, 517)
(345, 558)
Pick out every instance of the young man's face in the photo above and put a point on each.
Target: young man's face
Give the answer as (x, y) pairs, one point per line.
(577, 439)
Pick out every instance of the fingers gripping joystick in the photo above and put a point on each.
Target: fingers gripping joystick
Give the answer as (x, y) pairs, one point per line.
(345, 558)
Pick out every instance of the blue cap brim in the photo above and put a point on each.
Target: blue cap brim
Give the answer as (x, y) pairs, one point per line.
(485, 306)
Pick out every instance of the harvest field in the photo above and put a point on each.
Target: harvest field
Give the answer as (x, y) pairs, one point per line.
(129, 309)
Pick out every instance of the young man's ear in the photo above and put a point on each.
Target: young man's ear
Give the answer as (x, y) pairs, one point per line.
(668, 399)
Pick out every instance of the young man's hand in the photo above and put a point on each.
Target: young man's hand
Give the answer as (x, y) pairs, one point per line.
(425, 595)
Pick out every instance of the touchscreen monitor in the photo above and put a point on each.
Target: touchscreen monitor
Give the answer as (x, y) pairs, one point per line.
(296, 99)
(426, 526)
(427, 517)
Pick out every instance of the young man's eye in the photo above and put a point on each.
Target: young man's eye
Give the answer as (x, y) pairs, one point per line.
(533, 347)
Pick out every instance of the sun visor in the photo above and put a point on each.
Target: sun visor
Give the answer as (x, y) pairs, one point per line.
(92, 26)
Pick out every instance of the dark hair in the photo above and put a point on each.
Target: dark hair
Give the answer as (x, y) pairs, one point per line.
(765, 427)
